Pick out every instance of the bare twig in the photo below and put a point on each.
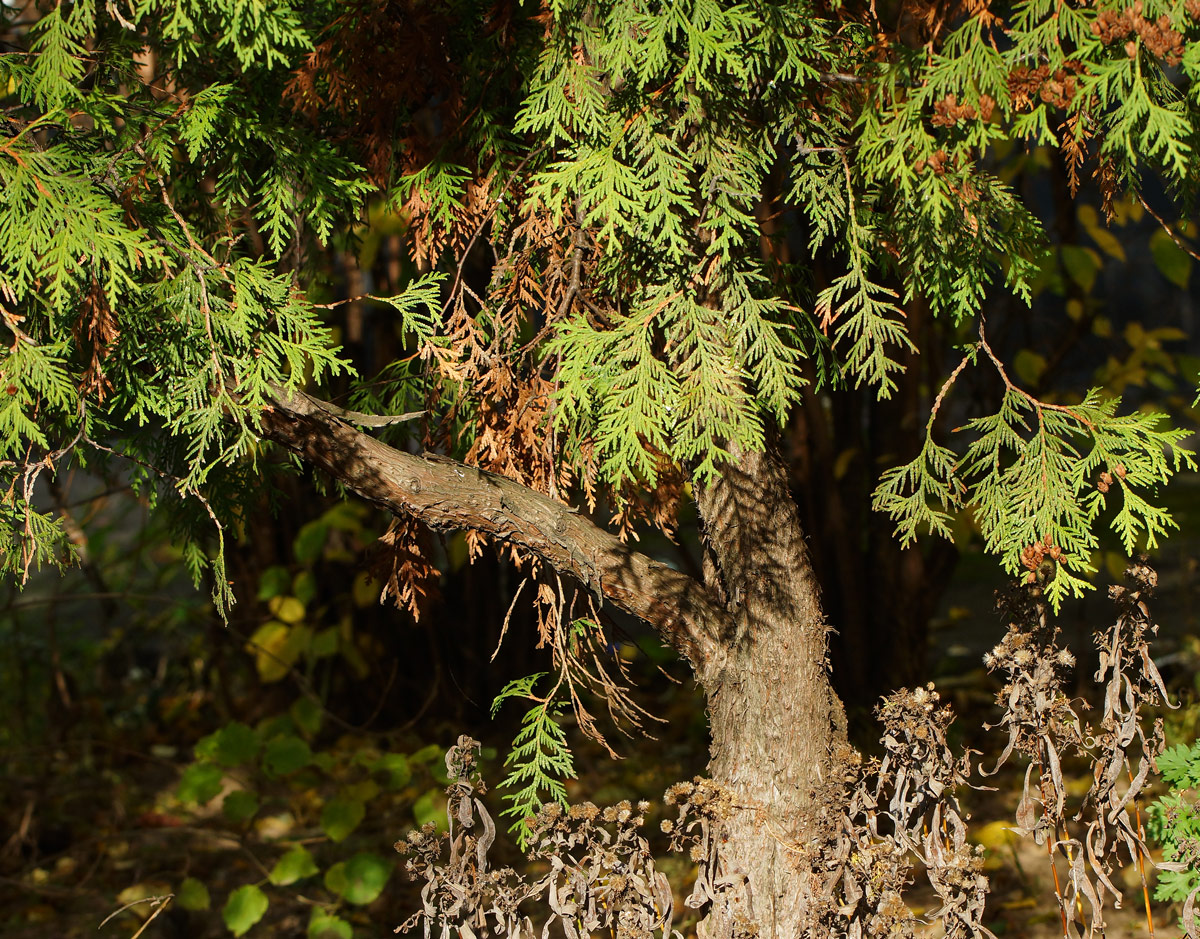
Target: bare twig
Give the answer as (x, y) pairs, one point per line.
(937, 402)
(163, 900)
(578, 245)
(1038, 405)
(205, 305)
(162, 906)
(1179, 242)
(491, 212)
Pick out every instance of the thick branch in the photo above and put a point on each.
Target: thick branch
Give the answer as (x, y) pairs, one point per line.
(445, 494)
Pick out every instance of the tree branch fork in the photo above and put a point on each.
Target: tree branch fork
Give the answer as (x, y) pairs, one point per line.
(444, 494)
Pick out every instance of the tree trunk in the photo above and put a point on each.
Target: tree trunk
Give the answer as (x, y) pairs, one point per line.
(774, 718)
(753, 632)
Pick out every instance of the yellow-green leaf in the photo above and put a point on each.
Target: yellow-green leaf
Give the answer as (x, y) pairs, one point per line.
(245, 907)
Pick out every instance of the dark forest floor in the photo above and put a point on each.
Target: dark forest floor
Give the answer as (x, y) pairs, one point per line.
(91, 819)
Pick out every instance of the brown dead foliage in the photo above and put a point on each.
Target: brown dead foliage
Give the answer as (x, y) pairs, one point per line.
(949, 112)
(96, 332)
(924, 22)
(1056, 87)
(884, 818)
(381, 61)
(601, 874)
(388, 71)
(1045, 726)
(571, 626)
(878, 822)
(402, 564)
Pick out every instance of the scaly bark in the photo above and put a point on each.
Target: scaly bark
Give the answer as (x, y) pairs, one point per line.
(774, 717)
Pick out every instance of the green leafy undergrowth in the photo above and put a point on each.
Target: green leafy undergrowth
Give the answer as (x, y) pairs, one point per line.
(1175, 823)
(302, 812)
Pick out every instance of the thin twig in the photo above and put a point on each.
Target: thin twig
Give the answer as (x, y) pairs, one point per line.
(10, 320)
(162, 906)
(183, 487)
(937, 402)
(578, 245)
(161, 899)
(1062, 903)
(1184, 247)
(462, 262)
(1141, 859)
(205, 305)
(1038, 405)
(508, 618)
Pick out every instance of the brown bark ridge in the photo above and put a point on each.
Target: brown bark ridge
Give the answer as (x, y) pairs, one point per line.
(754, 632)
(774, 717)
(445, 494)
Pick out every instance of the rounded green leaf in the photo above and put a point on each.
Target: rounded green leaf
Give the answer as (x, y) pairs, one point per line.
(286, 755)
(325, 643)
(427, 754)
(395, 765)
(240, 805)
(325, 761)
(288, 609)
(293, 866)
(361, 879)
(363, 791)
(200, 783)
(245, 907)
(273, 649)
(324, 926)
(310, 541)
(365, 590)
(236, 744)
(304, 588)
(366, 875)
(1171, 260)
(206, 747)
(1081, 264)
(1029, 366)
(193, 895)
(335, 878)
(1105, 240)
(307, 715)
(341, 816)
(273, 582)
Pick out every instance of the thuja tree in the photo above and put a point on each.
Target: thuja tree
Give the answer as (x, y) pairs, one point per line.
(635, 230)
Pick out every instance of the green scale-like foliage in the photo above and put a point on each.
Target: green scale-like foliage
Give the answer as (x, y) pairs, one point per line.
(761, 189)
(540, 760)
(111, 248)
(659, 147)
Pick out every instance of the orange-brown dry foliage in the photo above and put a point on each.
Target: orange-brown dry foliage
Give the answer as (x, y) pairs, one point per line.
(96, 330)
(409, 577)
